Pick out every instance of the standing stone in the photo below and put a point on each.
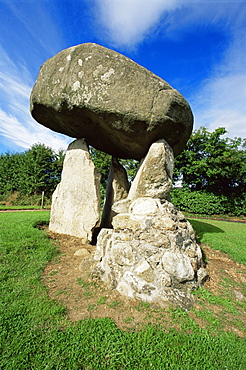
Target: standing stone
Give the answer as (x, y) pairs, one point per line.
(76, 201)
(117, 189)
(154, 177)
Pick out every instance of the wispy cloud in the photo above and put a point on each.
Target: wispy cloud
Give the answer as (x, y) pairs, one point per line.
(220, 101)
(37, 24)
(18, 126)
(126, 23)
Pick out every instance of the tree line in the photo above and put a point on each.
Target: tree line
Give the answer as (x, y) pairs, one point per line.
(30, 173)
(211, 171)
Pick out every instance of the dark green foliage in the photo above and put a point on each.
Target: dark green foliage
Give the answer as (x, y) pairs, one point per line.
(213, 170)
(213, 163)
(32, 172)
(205, 203)
(39, 169)
(102, 162)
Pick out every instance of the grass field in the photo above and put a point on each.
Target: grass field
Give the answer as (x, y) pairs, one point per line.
(228, 237)
(36, 334)
(6, 208)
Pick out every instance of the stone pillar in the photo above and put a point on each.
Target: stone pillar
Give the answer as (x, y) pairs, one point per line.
(117, 189)
(76, 201)
(154, 176)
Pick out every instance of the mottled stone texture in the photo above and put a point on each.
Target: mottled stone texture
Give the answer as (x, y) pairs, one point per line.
(117, 189)
(145, 249)
(119, 107)
(76, 201)
(151, 253)
(154, 177)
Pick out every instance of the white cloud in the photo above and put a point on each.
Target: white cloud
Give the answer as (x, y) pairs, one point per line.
(221, 103)
(221, 99)
(127, 22)
(16, 124)
(26, 135)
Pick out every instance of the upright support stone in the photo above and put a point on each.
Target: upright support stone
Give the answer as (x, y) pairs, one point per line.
(154, 176)
(151, 253)
(76, 201)
(117, 189)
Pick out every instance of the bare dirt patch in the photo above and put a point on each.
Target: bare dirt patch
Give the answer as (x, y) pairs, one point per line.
(69, 281)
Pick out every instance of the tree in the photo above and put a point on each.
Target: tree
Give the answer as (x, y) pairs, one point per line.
(215, 165)
(32, 172)
(10, 172)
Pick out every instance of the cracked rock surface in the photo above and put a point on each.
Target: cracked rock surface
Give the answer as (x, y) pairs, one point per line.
(117, 106)
(151, 252)
(151, 255)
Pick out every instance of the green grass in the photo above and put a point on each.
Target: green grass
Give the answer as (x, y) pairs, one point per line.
(35, 333)
(228, 237)
(19, 207)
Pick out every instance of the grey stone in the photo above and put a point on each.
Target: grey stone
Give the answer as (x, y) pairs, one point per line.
(117, 189)
(159, 263)
(175, 297)
(119, 107)
(122, 206)
(238, 295)
(122, 254)
(125, 221)
(86, 266)
(145, 206)
(103, 240)
(202, 276)
(76, 201)
(82, 252)
(178, 265)
(154, 176)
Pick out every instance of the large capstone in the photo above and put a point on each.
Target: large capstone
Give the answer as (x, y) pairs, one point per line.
(119, 107)
(76, 201)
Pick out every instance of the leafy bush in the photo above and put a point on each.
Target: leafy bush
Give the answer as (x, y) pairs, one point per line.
(32, 172)
(31, 200)
(207, 203)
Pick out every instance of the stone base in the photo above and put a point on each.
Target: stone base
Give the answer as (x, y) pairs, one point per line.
(151, 254)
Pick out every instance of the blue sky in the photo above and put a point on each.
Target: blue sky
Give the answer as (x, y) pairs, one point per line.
(198, 46)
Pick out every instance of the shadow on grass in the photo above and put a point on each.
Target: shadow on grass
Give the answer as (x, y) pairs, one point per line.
(41, 225)
(204, 227)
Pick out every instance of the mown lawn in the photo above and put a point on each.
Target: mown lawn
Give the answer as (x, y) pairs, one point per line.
(226, 236)
(35, 332)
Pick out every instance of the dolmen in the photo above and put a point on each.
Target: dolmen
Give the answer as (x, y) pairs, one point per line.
(145, 248)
